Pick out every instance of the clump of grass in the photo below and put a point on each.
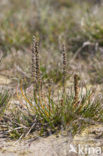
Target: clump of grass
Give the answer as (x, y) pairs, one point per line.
(46, 113)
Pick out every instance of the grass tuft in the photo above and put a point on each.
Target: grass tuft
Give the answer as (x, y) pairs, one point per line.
(48, 113)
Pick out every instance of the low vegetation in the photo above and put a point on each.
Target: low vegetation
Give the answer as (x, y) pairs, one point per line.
(51, 106)
(51, 111)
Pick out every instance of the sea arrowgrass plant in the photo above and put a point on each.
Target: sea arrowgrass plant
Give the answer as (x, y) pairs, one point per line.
(47, 113)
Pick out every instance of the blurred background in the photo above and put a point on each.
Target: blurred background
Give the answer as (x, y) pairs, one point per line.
(78, 20)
